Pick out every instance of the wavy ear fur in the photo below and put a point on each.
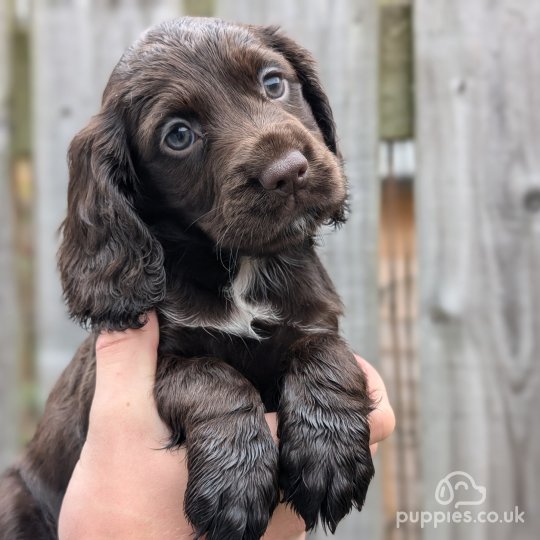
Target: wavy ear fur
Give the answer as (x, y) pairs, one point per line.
(110, 264)
(306, 70)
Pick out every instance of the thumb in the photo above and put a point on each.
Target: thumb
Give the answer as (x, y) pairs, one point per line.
(123, 357)
(125, 373)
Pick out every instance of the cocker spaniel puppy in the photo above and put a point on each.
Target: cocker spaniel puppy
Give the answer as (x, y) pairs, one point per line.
(197, 191)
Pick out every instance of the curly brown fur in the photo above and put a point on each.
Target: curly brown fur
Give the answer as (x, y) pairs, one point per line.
(198, 191)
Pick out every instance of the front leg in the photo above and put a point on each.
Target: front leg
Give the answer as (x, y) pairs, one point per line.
(325, 461)
(231, 457)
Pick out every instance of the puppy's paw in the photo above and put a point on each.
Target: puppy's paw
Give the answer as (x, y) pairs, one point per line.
(232, 487)
(325, 465)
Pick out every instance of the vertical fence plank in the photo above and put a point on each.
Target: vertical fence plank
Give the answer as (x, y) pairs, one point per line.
(76, 44)
(478, 200)
(8, 301)
(343, 38)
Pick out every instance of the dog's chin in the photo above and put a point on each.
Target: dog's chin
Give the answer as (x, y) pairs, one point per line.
(287, 234)
(297, 233)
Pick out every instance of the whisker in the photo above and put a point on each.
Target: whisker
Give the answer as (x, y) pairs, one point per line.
(201, 217)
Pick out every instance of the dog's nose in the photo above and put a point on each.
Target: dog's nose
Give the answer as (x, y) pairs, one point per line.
(286, 174)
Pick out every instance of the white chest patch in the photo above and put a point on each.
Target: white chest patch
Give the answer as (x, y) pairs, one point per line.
(242, 312)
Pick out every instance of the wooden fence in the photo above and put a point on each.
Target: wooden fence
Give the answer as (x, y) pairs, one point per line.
(477, 214)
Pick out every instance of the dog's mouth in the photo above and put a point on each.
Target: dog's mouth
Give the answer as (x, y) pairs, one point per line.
(308, 221)
(262, 228)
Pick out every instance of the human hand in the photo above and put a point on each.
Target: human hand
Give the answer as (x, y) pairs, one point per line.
(123, 486)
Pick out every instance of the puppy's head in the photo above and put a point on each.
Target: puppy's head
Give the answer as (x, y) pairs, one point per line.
(218, 127)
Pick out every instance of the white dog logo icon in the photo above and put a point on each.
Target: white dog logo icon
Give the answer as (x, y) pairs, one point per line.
(461, 486)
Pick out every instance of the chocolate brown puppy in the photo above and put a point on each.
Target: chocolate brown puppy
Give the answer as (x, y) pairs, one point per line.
(198, 190)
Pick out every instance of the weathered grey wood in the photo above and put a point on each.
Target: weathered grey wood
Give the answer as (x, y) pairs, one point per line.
(343, 37)
(75, 46)
(8, 301)
(478, 200)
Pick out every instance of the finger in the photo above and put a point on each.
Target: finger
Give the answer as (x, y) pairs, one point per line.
(285, 523)
(271, 420)
(382, 420)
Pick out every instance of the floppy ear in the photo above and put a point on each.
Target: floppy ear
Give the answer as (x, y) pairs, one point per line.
(110, 264)
(306, 70)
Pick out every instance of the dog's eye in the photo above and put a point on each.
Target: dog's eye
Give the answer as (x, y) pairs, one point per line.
(274, 85)
(180, 137)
